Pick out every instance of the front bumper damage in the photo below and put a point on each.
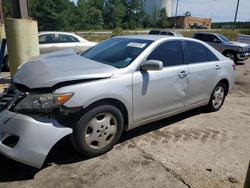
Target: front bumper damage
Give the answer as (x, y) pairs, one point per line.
(34, 137)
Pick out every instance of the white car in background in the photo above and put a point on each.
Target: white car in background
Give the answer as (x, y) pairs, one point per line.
(55, 41)
(51, 41)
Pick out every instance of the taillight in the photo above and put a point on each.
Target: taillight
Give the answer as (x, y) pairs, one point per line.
(234, 66)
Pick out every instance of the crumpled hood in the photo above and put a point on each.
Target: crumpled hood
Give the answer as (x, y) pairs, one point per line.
(62, 66)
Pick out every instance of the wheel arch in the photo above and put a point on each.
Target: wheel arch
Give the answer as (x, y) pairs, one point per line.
(229, 50)
(114, 102)
(226, 82)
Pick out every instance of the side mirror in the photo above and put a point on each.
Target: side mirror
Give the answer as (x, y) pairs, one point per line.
(152, 65)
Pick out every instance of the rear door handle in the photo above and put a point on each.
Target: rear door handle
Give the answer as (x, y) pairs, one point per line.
(182, 74)
(217, 67)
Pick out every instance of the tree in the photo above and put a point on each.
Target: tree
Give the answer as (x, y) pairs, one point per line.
(50, 15)
(134, 15)
(114, 12)
(163, 21)
(6, 8)
(188, 13)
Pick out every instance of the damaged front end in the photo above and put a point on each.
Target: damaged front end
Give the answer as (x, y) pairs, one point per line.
(28, 129)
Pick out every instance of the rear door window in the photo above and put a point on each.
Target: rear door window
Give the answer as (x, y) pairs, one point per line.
(47, 39)
(198, 53)
(62, 38)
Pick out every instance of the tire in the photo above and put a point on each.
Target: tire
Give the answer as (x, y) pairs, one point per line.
(231, 55)
(98, 137)
(217, 97)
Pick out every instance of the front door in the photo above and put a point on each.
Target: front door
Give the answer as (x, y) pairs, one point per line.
(156, 93)
(47, 43)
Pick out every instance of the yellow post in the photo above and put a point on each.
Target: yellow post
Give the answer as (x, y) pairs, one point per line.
(22, 41)
(2, 32)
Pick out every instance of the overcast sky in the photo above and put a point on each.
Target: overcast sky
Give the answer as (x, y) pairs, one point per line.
(218, 10)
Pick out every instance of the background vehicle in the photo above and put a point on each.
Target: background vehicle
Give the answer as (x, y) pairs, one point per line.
(234, 50)
(119, 84)
(165, 32)
(243, 39)
(54, 41)
(197, 26)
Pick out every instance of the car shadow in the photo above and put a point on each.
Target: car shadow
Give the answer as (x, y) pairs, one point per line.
(64, 152)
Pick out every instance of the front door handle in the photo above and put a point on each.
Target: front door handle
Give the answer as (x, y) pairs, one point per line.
(217, 67)
(182, 74)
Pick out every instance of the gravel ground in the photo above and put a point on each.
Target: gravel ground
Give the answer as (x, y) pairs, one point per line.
(193, 149)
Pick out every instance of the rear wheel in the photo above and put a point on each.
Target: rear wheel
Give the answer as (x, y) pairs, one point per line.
(217, 98)
(98, 130)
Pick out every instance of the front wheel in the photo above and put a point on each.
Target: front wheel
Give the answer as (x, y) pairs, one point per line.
(217, 98)
(98, 130)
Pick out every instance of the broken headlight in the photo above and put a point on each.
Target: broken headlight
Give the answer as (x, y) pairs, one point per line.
(43, 102)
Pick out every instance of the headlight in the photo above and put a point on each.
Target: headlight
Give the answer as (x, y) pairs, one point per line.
(43, 102)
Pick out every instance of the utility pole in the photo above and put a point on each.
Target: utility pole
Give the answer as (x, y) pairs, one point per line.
(19, 9)
(236, 13)
(21, 34)
(176, 11)
(1, 12)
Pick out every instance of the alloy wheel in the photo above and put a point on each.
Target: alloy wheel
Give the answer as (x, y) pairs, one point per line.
(101, 130)
(218, 97)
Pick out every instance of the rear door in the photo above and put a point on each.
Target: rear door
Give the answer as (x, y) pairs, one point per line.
(47, 43)
(159, 92)
(204, 68)
(68, 41)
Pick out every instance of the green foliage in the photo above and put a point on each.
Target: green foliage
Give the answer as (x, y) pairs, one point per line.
(114, 11)
(65, 15)
(6, 8)
(163, 21)
(50, 15)
(117, 31)
(239, 25)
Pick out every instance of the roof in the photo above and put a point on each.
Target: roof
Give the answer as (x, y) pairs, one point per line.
(55, 32)
(146, 37)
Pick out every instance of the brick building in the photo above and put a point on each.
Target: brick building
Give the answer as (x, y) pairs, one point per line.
(188, 21)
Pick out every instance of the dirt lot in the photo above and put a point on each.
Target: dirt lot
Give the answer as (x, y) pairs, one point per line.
(194, 149)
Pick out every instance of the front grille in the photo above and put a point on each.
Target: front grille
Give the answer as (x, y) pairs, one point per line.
(5, 99)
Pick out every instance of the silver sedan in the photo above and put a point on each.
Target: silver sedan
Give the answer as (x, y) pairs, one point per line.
(119, 84)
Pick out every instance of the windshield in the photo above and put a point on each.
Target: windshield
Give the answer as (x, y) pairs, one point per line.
(118, 52)
(223, 38)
